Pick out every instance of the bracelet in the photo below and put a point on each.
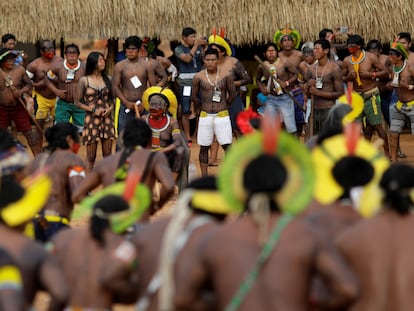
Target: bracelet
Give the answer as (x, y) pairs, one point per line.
(287, 83)
(191, 54)
(374, 75)
(411, 87)
(93, 110)
(24, 95)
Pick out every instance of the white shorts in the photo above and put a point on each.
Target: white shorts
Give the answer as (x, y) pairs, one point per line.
(210, 124)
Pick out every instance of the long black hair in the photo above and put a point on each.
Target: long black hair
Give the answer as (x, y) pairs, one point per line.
(91, 64)
(56, 135)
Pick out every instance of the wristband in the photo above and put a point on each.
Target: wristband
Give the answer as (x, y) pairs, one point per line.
(287, 83)
(93, 110)
(411, 87)
(138, 102)
(191, 54)
(24, 95)
(374, 75)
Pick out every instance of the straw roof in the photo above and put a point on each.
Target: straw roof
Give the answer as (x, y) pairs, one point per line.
(245, 21)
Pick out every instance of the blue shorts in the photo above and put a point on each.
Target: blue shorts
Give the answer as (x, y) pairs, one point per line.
(282, 104)
(184, 101)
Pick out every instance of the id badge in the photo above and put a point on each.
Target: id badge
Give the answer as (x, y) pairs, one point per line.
(187, 91)
(70, 75)
(319, 83)
(395, 81)
(217, 96)
(155, 139)
(135, 82)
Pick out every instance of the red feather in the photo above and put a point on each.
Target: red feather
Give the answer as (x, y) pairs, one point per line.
(222, 32)
(352, 133)
(131, 182)
(214, 32)
(270, 130)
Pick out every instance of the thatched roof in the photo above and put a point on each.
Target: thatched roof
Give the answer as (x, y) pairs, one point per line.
(246, 21)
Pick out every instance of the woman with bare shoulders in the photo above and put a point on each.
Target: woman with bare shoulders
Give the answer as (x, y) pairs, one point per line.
(96, 98)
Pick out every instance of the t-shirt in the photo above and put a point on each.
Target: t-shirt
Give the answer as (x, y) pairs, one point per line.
(187, 71)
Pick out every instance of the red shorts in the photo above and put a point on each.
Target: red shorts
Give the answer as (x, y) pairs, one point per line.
(17, 114)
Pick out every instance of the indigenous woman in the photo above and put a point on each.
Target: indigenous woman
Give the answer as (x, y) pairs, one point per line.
(96, 98)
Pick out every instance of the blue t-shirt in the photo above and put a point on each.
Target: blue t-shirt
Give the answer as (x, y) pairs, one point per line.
(187, 70)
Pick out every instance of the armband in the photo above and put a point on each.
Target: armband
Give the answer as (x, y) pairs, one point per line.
(411, 87)
(50, 74)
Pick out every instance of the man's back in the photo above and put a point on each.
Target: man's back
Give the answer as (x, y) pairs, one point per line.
(380, 253)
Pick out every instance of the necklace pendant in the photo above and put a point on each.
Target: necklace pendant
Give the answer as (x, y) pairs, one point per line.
(319, 83)
(8, 81)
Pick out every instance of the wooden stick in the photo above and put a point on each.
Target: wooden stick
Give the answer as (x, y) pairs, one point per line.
(38, 127)
(257, 58)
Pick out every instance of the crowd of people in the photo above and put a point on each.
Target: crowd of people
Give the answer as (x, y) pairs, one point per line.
(287, 223)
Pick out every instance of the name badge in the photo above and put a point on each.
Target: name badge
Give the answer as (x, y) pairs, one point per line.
(319, 83)
(187, 91)
(70, 75)
(135, 82)
(217, 96)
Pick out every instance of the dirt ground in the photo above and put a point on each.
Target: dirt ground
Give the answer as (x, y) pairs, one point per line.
(406, 142)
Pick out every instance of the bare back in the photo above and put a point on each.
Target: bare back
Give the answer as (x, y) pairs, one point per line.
(380, 253)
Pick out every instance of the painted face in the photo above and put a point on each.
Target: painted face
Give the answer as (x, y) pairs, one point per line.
(393, 57)
(48, 50)
(72, 56)
(157, 108)
(352, 48)
(271, 54)
(9, 61)
(286, 43)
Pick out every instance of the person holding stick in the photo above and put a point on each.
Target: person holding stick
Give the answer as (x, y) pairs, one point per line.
(15, 102)
(273, 81)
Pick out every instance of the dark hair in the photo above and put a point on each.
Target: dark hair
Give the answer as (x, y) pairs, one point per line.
(211, 51)
(264, 174)
(91, 63)
(137, 133)
(107, 205)
(10, 191)
(42, 43)
(134, 41)
(356, 39)
(6, 140)
(56, 135)
(325, 44)
(405, 35)
(6, 37)
(344, 173)
(333, 122)
(324, 32)
(188, 31)
(374, 45)
(268, 45)
(72, 46)
(220, 47)
(396, 182)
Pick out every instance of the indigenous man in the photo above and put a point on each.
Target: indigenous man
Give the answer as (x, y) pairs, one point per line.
(131, 78)
(288, 40)
(62, 79)
(385, 266)
(324, 83)
(241, 78)
(402, 79)
(136, 156)
(166, 134)
(274, 81)
(102, 247)
(37, 70)
(189, 62)
(363, 68)
(39, 270)
(66, 170)
(14, 88)
(213, 93)
(164, 246)
(254, 176)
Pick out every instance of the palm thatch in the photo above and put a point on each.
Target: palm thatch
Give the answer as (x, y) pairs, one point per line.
(246, 21)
